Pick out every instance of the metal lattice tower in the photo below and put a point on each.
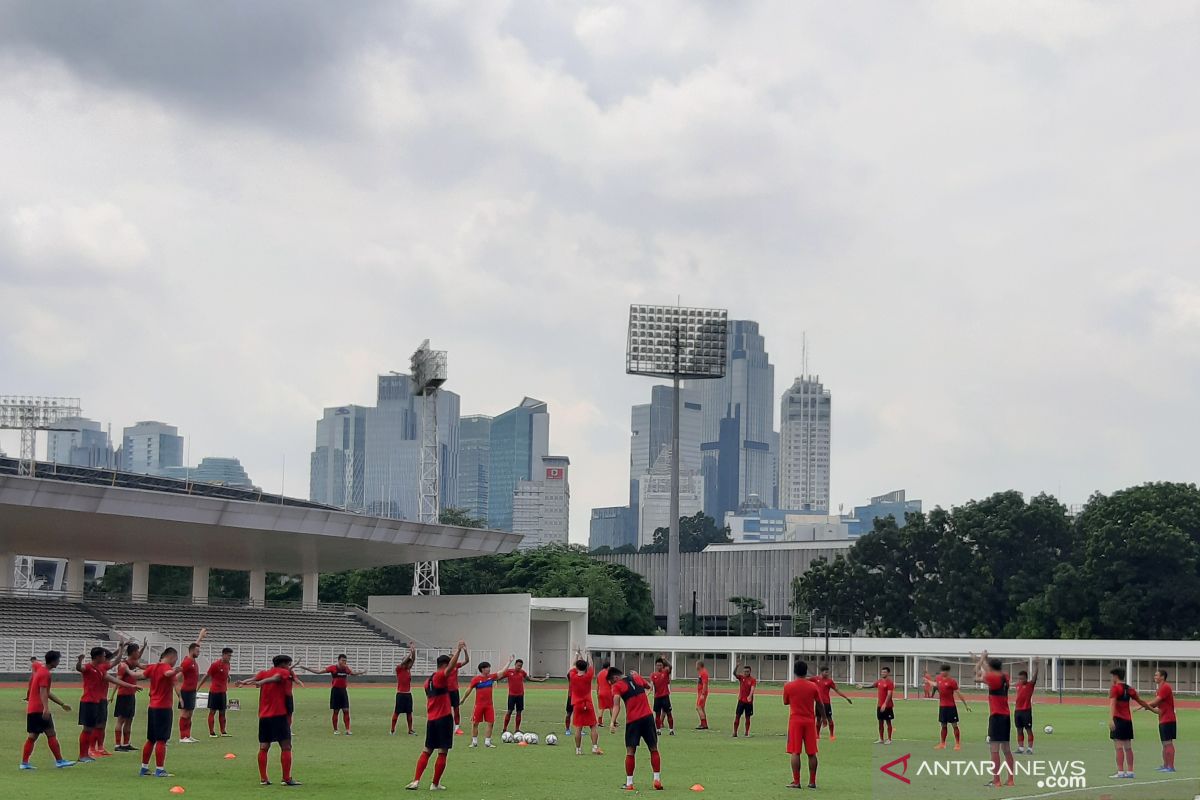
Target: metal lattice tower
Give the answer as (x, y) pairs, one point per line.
(428, 374)
(30, 415)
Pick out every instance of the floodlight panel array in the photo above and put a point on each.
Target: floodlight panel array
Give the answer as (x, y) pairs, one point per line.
(19, 411)
(429, 368)
(655, 333)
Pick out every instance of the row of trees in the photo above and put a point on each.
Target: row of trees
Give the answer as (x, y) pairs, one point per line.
(1127, 566)
(695, 533)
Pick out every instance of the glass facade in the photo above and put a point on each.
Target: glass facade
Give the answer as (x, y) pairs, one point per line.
(519, 439)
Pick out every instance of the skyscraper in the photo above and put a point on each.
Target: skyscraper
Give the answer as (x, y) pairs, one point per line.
(336, 468)
(541, 506)
(85, 444)
(654, 496)
(738, 414)
(805, 427)
(474, 464)
(650, 433)
(150, 447)
(520, 440)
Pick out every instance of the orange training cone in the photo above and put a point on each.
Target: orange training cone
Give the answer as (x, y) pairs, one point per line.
(229, 756)
(697, 787)
(176, 790)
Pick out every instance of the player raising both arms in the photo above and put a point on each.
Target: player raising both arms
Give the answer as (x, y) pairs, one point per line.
(339, 694)
(162, 676)
(745, 701)
(484, 711)
(1024, 710)
(455, 699)
(218, 692)
(990, 672)
(1120, 724)
(125, 707)
(273, 718)
(1164, 705)
(947, 692)
(404, 703)
(189, 671)
(516, 677)
(439, 722)
(805, 711)
(93, 705)
(885, 704)
(825, 684)
(38, 719)
(579, 683)
(661, 678)
(702, 696)
(604, 698)
(639, 723)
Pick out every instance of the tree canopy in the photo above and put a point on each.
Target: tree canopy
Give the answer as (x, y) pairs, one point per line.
(695, 533)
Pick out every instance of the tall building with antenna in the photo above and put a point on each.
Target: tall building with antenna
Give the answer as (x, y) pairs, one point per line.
(806, 416)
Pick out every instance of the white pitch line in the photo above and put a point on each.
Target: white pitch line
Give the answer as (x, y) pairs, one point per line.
(1095, 788)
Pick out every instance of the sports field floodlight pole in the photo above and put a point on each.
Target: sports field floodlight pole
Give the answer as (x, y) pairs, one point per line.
(428, 369)
(677, 343)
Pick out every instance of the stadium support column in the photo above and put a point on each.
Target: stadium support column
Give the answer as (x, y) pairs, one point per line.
(200, 584)
(309, 598)
(74, 582)
(258, 588)
(7, 564)
(141, 581)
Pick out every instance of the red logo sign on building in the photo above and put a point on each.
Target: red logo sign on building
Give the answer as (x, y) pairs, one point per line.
(554, 473)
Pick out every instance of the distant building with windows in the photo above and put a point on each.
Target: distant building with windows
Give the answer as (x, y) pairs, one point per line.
(753, 524)
(520, 439)
(80, 442)
(894, 504)
(150, 448)
(654, 497)
(805, 416)
(337, 463)
(474, 464)
(219, 471)
(541, 507)
(613, 527)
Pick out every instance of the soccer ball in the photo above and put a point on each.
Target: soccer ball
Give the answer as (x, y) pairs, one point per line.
(518, 737)
(531, 738)
(506, 737)
(1048, 729)
(551, 739)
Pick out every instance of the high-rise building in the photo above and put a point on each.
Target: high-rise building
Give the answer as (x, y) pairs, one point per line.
(474, 464)
(650, 433)
(220, 471)
(805, 427)
(80, 442)
(150, 447)
(541, 507)
(612, 526)
(738, 414)
(520, 440)
(337, 464)
(654, 497)
(894, 504)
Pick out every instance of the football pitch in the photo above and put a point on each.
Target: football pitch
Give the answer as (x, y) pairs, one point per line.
(372, 764)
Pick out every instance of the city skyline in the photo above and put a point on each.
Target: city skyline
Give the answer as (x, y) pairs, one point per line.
(983, 220)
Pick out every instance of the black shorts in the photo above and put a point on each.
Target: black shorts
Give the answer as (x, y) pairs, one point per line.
(1166, 731)
(948, 715)
(158, 724)
(1023, 719)
(1122, 730)
(93, 715)
(36, 723)
(641, 730)
(516, 702)
(125, 707)
(999, 728)
(289, 704)
(439, 733)
(339, 699)
(745, 709)
(662, 705)
(273, 729)
(187, 700)
(218, 701)
(885, 715)
(828, 710)
(404, 703)
(455, 698)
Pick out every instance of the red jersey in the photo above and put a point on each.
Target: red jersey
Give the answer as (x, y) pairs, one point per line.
(661, 678)
(162, 683)
(580, 685)
(289, 681)
(272, 696)
(746, 684)
(403, 679)
(437, 696)
(41, 678)
(190, 671)
(885, 693)
(123, 670)
(801, 696)
(1025, 696)
(702, 681)
(452, 683)
(1123, 693)
(632, 689)
(1166, 703)
(483, 685)
(945, 687)
(516, 681)
(340, 676)
(602, 687)
(94, 688)
(997, 686)
(824, 686)
(218, 677)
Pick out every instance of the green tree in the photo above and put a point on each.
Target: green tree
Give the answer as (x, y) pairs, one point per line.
(695, 533)
(747, 621)
(460, 517)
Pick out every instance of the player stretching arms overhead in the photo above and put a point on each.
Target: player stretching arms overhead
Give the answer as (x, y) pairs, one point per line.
(273, 718)
(805, 710)
(162, 676)
(702, 695)
(579, 683)
(484, 711)
(38, 719)
(439, 722)
(404, 704)
(455, 699)
(339, 695)
(745, 702)
(604, 698)
(825, 685)
(990, 672)
(1164, 705)
(190, 672)
(1024, 711)
(1120, 724)
(93, 705)
(218, 693)
(639, 723)
(885, 704)
(516, 677)
(661, 678)
(947, 691)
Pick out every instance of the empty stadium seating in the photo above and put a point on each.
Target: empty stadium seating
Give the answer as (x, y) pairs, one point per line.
(29, 618)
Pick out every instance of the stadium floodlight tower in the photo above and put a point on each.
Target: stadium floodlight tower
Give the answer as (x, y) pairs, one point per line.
(32, 414)
(675, 342)
(428, 374)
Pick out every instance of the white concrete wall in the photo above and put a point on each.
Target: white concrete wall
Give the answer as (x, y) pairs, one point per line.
(495, 622)
(549, 647)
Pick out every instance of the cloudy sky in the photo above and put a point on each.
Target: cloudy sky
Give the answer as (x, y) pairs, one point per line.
(228, 215)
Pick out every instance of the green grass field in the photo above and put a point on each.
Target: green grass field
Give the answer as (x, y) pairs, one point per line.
(372, 764)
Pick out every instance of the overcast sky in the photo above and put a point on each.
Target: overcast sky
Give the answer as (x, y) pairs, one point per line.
(228, 215)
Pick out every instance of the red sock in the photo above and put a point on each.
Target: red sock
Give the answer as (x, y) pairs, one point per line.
(630, 763)
(747, 726)
(212, 716)
(146, 750)
(796, 776)
(831, 729)
(507, 717)
(183, 727)
(1031, 737)
(655, 761)
(889, 729)
(957, 736)
(221, 718)
(671, 721)
(736, 721)
(85, 743)
(27, 751)
(944, 734)
(262, 765)
(346, 719)
(422, 763)
(439, 767)
(409, 717)
(812, 774)
(335, 720)
(658, 720)
(395, 718)
(1120, 760)
(54, 748)
(285, 759)
(160, 754)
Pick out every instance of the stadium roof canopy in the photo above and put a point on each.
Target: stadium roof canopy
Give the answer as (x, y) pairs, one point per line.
(77, 515)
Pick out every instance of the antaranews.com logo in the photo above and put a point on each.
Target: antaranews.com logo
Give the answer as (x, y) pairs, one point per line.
(1042, 773)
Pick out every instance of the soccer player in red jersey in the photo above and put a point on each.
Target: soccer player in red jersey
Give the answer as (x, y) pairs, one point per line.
(189, 671)
(1163, 704)
(702, 695)
(1023, 718)
(404, 703)
(125, 707)
(885, 704)
(93, 705)
(604, 698)
(805, 711)
(291, 681)
(273, 718)
(639, 723)
(455, 699)
(583, 715)
(38, 719)
(661, 678)
(947, 692)
(825, 684)
(484, 711)
(339, 695)
(516, 677)
(745, 701)
(218, 692)
(990, 672)
(1120, 724)
(927, 684)
(439, 722)
(162, 677)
